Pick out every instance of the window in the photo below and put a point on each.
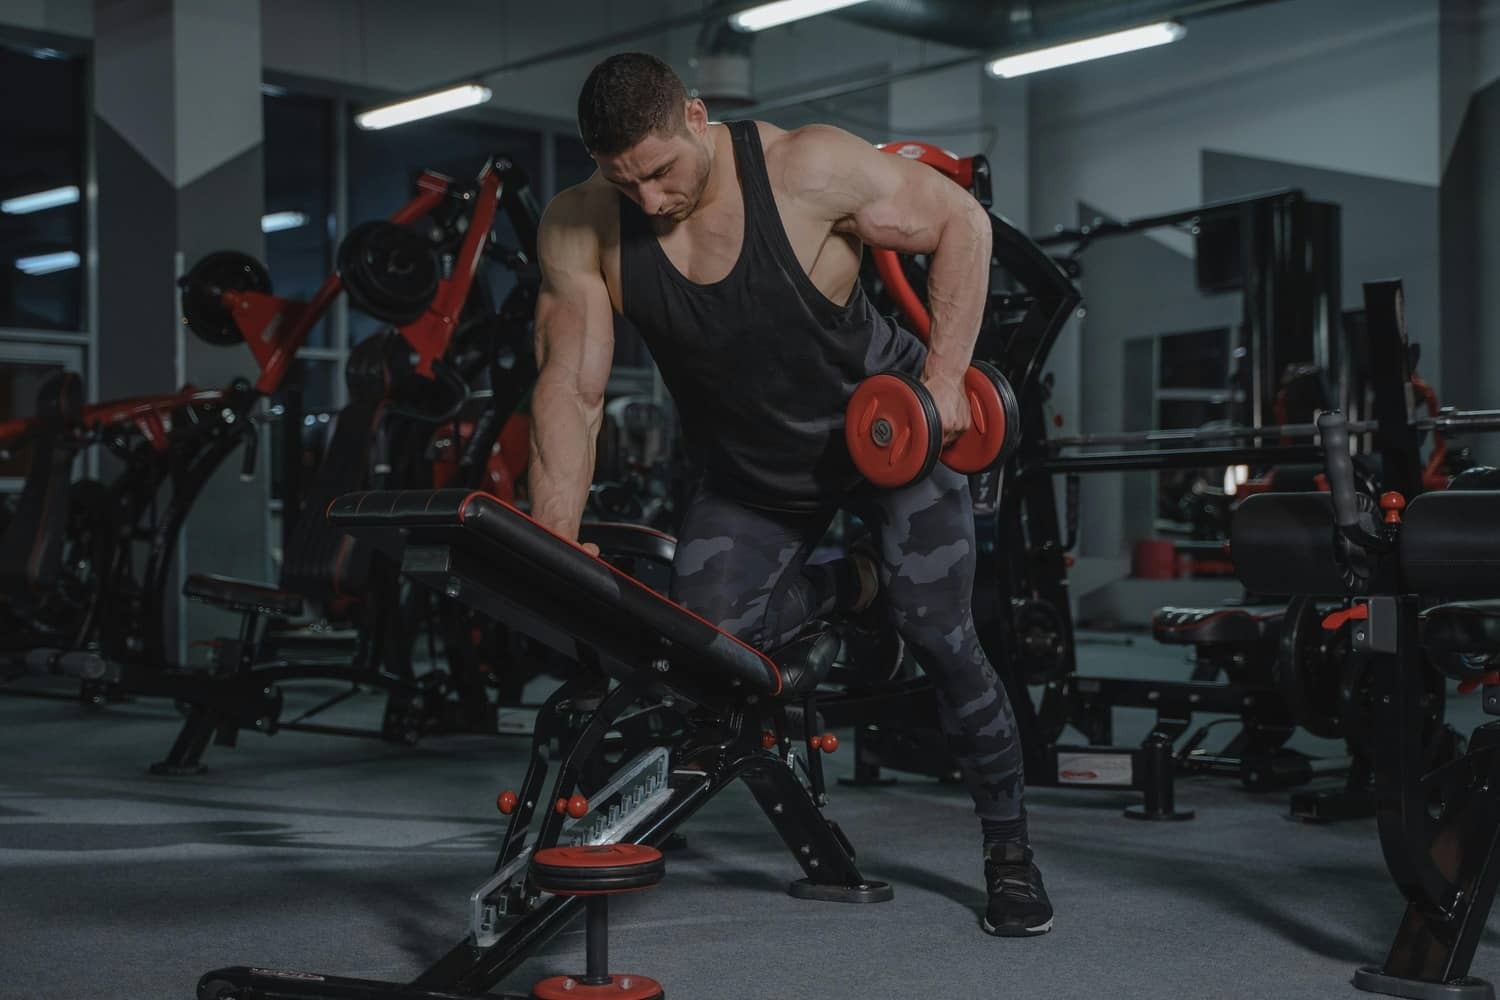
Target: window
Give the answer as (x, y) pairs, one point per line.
(384, 166)
(41, 184)
(299, 217)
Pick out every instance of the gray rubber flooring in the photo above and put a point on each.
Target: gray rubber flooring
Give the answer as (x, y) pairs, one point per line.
(355, 857)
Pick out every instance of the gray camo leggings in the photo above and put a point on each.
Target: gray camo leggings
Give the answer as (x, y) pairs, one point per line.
(745, 569)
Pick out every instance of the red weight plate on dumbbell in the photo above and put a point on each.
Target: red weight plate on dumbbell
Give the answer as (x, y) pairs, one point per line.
(996, 422)
(893, 431)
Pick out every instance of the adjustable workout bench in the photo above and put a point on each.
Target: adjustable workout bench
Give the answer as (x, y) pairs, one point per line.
(689, 709)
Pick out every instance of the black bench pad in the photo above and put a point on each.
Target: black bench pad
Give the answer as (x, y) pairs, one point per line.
(241, 596)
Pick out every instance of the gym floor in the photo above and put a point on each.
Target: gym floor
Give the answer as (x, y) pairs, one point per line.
(355, 857)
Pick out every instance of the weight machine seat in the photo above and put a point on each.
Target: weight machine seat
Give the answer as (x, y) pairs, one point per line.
(1450, 544)
(489, 556)
(1284, 543)
(1197, 626)
(31, 547)
(1468, 627)
(241, 596)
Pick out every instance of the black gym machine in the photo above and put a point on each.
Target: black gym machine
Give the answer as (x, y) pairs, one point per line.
(1387, 565)
(408, 386)
(453, 375)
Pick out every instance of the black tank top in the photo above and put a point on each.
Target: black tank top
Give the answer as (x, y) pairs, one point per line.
(760, 364)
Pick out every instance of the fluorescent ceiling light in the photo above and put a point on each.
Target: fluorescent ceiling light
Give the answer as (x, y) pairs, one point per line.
(275, 222)
(51, 198)
(48, 262)
(1089, 48)
(426, 106)
(769, 15)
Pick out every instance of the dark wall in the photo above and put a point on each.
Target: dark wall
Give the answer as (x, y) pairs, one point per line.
(1470, 222)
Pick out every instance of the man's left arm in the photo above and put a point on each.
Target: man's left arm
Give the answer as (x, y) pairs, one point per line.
(906, 206)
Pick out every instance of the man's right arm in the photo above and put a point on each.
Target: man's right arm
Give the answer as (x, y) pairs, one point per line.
(575, 348)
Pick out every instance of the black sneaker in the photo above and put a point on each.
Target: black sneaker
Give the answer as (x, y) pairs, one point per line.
(1019, 906)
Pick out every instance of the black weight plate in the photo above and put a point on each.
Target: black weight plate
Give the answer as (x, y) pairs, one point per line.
(1041, 642)
(1308, 668)
(389, 271)
(1011, 406)
(203, 287)
(934, 424)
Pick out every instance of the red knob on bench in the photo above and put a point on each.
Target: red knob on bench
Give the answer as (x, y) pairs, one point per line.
(830, 743)
(562, 807)
(578, 807)
(506, 803)
(1393, 504)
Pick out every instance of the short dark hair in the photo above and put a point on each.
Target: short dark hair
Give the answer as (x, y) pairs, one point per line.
(626, 98)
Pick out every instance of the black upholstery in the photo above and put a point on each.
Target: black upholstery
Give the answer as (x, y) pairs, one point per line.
(1450, 544)
(32, 546)
(1480, 477)
(241, 596)
(1285, 543)
(805, 661)
(1200, 626)
(494, 558)
(1471, 627)
(629, 540)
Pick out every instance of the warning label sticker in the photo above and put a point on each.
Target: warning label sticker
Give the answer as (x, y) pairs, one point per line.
(1094, 769)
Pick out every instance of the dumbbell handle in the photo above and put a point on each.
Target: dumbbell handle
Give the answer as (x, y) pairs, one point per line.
(597, 942)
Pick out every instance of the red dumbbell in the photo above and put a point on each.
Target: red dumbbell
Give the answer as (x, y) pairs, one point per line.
(895, 436)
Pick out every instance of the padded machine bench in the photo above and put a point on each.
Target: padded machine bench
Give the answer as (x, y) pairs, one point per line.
(721, 705)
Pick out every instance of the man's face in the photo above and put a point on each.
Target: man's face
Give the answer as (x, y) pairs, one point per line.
(664, 174)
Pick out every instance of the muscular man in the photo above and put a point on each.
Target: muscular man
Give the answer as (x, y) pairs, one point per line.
(735, 250)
